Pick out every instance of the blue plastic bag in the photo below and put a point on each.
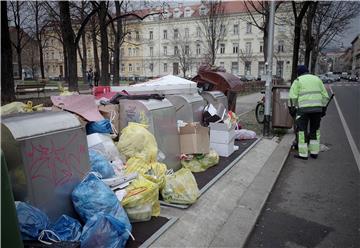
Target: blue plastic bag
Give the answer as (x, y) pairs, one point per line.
(67, 228)
(104, 231)
(93, 196)
(31, 220)
(103, 126)
(98, 163)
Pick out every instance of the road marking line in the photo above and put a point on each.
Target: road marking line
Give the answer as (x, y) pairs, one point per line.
(352, 144)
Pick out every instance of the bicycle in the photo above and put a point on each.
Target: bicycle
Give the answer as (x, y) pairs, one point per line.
(260, 109)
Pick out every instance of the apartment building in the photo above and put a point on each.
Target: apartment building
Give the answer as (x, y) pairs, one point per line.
(177, 35)
(356, 56)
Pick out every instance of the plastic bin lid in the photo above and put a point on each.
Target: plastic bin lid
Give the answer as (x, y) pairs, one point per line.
(33, 124)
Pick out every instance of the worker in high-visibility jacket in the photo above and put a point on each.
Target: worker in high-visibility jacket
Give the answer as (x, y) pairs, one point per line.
(307, 100)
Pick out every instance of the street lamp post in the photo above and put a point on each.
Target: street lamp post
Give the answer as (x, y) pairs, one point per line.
(268, 84)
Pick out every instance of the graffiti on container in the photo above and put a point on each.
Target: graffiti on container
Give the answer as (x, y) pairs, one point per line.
(56, 163)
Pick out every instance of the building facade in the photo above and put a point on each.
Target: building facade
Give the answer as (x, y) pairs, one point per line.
(355, 70)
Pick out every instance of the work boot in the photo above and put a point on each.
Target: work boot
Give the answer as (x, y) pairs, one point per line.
(314, 156)
(299, 157)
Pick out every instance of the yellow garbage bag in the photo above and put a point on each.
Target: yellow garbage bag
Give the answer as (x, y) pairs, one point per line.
(201, 162)
(155, 172)
(142, 192)
(11, 108)
(137, 141)
(180, 187)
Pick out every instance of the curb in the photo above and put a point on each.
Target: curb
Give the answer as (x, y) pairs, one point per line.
(254, 199)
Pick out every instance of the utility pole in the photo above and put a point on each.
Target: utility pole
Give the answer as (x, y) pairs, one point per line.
(268, 84)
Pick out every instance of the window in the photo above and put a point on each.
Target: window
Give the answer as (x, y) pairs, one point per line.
(236, 29)
(235, 48)
(202, 11)
(261, 47)
(247, 68)
(151, 51)
(137, 51)
(186, 33)
(47, 55)
(122, 52)
(222, 30)
(176, 50)
(222, 64)
(282, 27)
(175, 68)
(222, 48)
(130, 51)
(281, 46)
(248, 47)
(165, 50)
(187, 50)
(235, 68)
(130, 36)
(130, 67)
(52, 55)
(151, 35)
(137, 66)
(280, 68)
(137, 35)
(176, 33)
(198, 32)
(165, 34)
(261, 70)
(122, 67)
(165, 67)
(198, 49)
(151, 67)
(248, 28)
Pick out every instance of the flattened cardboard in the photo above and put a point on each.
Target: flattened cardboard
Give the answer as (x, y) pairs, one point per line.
(194, 139)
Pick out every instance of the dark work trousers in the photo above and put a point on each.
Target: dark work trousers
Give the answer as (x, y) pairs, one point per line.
(302, 122)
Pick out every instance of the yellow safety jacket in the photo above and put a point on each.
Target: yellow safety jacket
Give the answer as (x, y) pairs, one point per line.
(308, 92)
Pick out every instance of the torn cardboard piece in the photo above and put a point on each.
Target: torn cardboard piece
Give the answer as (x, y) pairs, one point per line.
(194, 139)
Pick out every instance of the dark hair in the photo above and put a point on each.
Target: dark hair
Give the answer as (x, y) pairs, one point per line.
(302, 69)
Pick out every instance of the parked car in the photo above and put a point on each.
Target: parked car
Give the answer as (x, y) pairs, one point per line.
(246, 78)
(334, 77)
(325, 79)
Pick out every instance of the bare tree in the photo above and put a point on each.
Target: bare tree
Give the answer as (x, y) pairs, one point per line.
(94, 43)
(7, 79)
(259, 11)
(20, 18)
(183, 53)
(330, 21)
(299, 11)
(212, 25)
(246, 55)
(308, 38)
(41, 21)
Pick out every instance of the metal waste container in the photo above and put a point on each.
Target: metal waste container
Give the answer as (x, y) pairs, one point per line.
(280, 113)
(47, 156)
(161, 120)
(215, 97)
(189, 108)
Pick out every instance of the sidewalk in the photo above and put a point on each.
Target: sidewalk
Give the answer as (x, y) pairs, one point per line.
(225, 215)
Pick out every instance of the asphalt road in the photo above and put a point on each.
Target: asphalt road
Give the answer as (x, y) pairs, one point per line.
(316, 203)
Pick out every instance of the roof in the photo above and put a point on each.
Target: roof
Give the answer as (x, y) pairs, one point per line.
(357, 37)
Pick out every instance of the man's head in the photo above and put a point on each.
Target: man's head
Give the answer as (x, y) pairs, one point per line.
(302, 69)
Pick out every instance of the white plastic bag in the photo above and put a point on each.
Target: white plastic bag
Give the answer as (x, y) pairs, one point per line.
(244, 134)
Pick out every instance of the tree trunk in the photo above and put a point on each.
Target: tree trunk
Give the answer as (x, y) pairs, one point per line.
(95, 51)
(104, 77)
(7, 79)
(18, 51)
(69, 43)
(84, 56)
(118, 36)
(66, 71)
(313, 60)
(308, 36)
(296, 46)
(41, 54)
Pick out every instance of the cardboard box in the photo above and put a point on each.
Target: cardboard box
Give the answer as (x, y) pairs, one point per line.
(194, 139)
(221, 133)
(83, 122)
(112, 113)
(224, 150)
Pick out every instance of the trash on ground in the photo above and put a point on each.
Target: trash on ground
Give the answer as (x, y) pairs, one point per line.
(200, 162)
(222, 137)
(180, 187)
(102, 126)
(137, 141)
(194, 139)
(244, 134)
(103, 144)
(98, 163)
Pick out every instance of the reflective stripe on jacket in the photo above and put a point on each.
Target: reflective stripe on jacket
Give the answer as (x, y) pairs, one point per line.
(308, 91)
